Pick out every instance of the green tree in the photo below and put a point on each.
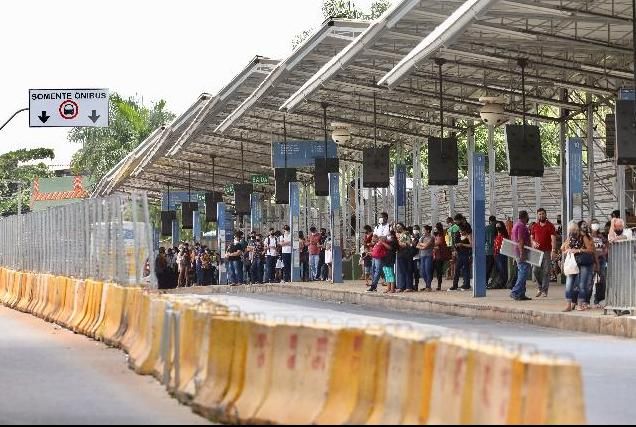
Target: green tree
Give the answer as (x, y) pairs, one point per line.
(345, 9)
(13, 169)
(102, 148)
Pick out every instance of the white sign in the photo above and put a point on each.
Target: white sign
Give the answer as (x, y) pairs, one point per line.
(68, 108)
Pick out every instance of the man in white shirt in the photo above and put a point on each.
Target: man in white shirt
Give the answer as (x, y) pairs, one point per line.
(382, 229)
(271, 255)
(286, 250)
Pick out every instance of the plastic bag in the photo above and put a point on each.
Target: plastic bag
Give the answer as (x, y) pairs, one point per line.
(570, 267)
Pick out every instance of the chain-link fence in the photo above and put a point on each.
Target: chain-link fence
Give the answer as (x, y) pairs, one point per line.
(621, 276)
(107, 239)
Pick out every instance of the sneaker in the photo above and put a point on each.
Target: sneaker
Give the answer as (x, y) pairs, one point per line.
(544, 294)
(539, 293)
(523, 298)
(372, 290)
(463, 289)
(451, 289)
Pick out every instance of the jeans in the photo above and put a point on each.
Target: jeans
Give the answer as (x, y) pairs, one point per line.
(415, 269)
(577, 286)
(600, 286)
(523, 271)
(257, 270)
(438, 267)
(270, 269)
(235, 271)
(426, 270)
(501, 262)
(462, 268)
(314, 260)
(304, 270)
(542, 274)
(376, 271)
(490, 264)
(404, 276)
(287, 260)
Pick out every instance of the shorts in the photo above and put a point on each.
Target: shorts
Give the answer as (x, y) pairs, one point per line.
(389, 277)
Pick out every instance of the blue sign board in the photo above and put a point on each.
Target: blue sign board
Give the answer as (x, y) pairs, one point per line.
(574, 179)
(176, 233)
(301, 153)
(400, 193)
(627, 94)
(478, 215)
(294, 221)
(256, 212)
(335, 215)
(196, 226)
(178, 197)
(221, 239)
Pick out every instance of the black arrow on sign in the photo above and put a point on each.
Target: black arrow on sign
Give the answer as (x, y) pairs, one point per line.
(43, 117)
(94, 116)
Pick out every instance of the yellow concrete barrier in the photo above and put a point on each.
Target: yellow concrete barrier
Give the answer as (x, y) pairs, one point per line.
(221, 348)
(257, 373)
(69, 302)
(27, 294)
(97, 310)
(191, 326)
(78, 305)
(133, 317)
(146, 361)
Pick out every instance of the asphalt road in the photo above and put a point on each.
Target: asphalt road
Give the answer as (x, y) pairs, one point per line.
(49, 375)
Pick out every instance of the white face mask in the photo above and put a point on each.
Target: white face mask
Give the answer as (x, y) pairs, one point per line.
(596, 227)
(236, 240)
(381, 220)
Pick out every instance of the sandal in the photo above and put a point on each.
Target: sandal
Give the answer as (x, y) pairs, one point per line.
(568, 308)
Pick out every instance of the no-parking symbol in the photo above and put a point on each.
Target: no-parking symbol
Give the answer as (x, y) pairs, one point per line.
(69, 109)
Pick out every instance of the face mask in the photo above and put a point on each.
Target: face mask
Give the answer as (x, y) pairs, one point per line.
(596, 227)
(416, 232)
(389, 238)
(381, 220)
(236, 240)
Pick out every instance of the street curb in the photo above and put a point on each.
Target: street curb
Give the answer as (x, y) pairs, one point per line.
(604, 325)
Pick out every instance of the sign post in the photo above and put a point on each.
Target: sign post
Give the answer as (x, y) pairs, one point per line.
(260, 179)
(220, 234)
(68, 108)
(400, 193)
(256, 213)
(176, 233)
(335, 214)
(574, 179)
(477, 215)
(196, 226)
(294, 226)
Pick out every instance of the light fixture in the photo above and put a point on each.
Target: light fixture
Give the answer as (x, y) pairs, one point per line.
(492, 113)
(340, 133)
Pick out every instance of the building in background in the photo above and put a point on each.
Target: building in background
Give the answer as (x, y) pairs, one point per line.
(57, 191)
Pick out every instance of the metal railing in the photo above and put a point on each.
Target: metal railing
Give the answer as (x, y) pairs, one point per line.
(107, 239)
(621, 276)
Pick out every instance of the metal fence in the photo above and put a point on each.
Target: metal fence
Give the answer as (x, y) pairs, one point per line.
(621, 276)
(108, 239)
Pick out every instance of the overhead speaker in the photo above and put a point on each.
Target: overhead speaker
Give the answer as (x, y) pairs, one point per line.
(211, 199)
(375, 167)
(323, 167)
(187, 208)
(443, 163)
(625, 132)
(166, 222)
(524, 151)
(282, 178)
(242, 194)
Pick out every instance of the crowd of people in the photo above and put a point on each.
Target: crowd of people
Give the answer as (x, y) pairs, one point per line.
(401, 257)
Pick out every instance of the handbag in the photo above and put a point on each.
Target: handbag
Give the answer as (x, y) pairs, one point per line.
(279, 263)
(570, 267)
(584, 258)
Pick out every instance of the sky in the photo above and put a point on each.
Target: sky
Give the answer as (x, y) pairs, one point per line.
(172, 50)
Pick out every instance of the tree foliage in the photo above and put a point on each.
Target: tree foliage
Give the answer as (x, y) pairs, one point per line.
(345, 9)
(130, 123)
(12, 168)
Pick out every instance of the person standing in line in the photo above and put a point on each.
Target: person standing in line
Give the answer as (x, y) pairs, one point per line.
(378, 252)
(235, 260)
(415, 266)
(544, 238)
(441, 254)
(367, 245)
(271, 255)
(600, 246)
(391, 245)
(521, 236)
(425, 246)
(582, 247)
(286, 250)
(382, 229)
(303, 251)
(501, 261)
(491, 234)
(322, 269)
(404, 275)
(464, 248)
(451, 232)
(314, 253)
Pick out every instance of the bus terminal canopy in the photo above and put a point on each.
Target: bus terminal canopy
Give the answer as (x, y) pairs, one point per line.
(579, 54)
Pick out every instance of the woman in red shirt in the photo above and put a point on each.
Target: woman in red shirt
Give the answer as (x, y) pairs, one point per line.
(501, 261)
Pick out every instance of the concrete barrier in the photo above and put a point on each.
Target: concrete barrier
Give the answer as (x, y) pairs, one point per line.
(236, 368)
